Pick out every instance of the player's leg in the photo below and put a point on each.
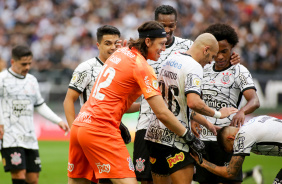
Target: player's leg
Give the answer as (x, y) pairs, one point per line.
(79, 169)
(107, 155)
(278, 179)
(14, 161)
(184, 175)
(141, 159)
(33, 166)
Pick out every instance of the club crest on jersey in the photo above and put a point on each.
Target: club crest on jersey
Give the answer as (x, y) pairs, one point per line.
(130, 164)
(152, 160)
(16, 158)
(140, 165)
(70, 167)
(225, 78)
(197, 82)
(103, 168)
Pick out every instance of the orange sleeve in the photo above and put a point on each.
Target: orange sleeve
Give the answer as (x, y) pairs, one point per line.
(146, 78)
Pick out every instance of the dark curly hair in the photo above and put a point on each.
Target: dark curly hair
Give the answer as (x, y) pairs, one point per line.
(223, 32)
(166, 10)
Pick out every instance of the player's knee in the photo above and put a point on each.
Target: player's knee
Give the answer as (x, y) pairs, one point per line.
(18, 174)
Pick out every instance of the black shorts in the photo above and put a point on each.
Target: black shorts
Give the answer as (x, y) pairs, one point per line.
(18, 158)
(141, 157)
(166, 160)
(278, 179)
(215, 155)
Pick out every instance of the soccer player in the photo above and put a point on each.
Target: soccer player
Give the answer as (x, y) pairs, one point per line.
(85, 75)
(260, 135)
(96, 144)
(167, 16)
(224, 85)
(19, 96)
(180, 85)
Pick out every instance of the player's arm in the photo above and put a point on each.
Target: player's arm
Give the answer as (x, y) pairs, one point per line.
(251, 105)
(1, 122)
(134, 108)
(198, 118)
(195, 103)
(229, 171)
(69, 101)
(47, 113)
(165, 116)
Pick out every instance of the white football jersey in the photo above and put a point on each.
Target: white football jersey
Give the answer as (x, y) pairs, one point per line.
(84, 77)
(19, 95)
(178, 45)
(224, 89)
(180, 75)
(260, 135)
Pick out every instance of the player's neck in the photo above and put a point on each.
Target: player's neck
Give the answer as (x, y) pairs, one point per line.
(16, 74)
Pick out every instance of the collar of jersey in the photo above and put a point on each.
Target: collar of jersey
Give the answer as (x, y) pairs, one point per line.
(213, 67)
(15, 74)
(99, 60)
(167, 46)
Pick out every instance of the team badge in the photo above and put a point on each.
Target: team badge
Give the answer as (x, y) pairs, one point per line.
(16, 158)
(155, 84)
(153, 160)
(197, 82)
(225, 78)
(130, 164)
(74, 77)
(140, 165)
(70, 167)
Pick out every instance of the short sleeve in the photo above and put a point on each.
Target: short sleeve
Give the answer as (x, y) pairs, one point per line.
(80, 79)
(244, 79)
(193, 81)
(146, 78)
(243, 144)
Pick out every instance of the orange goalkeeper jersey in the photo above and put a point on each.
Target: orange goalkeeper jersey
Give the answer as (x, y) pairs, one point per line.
(124, 77)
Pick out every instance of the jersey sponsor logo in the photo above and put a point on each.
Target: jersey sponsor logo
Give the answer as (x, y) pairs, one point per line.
(174, 160)
(165, 135)
(206, 132)
(70, 167)
(103, 168)
(209, 95)
(173, 63)
(83, 117)
(225, 78)
(26, 138)
(4, 162)
(243, 79)
(16, 158)
(240, 144)
(155, 84)
(153, 160)
(147, 82)
(20, 108)
(140, 165)
(130, 164)
(126, 52)
(169, 74)
(114, 59)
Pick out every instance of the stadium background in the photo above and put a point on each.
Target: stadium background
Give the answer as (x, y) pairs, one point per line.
(62, 34)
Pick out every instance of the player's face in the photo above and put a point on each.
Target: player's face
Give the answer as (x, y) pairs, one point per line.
(22, 66)
(107, 46)
(155, 48)
(222, 60)
(169, 23)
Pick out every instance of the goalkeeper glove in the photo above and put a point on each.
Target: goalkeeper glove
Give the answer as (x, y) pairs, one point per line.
(125, 134)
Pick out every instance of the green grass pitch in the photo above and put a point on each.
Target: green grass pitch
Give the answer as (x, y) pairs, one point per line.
(54, 157)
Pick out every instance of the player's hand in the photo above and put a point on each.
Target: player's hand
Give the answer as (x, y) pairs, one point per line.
(125, 134)
(64, 126)
(196, 158)
(198, 147)
(234, 58)
(1, 131)
(120, 44)
(196, 128)
(238, 120)
(226, 111)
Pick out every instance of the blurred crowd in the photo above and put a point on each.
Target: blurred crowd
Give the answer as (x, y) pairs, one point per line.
(62, 33)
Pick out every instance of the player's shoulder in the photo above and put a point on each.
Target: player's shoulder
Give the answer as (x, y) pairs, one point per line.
(183, 41)
(3, 73)
(89, 64)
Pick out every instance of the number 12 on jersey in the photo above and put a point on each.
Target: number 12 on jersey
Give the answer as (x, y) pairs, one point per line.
(110, 74)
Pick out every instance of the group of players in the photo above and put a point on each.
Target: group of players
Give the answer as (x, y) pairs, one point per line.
(168, 72)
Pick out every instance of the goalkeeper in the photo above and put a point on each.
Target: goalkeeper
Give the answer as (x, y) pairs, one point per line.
(180, 85)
